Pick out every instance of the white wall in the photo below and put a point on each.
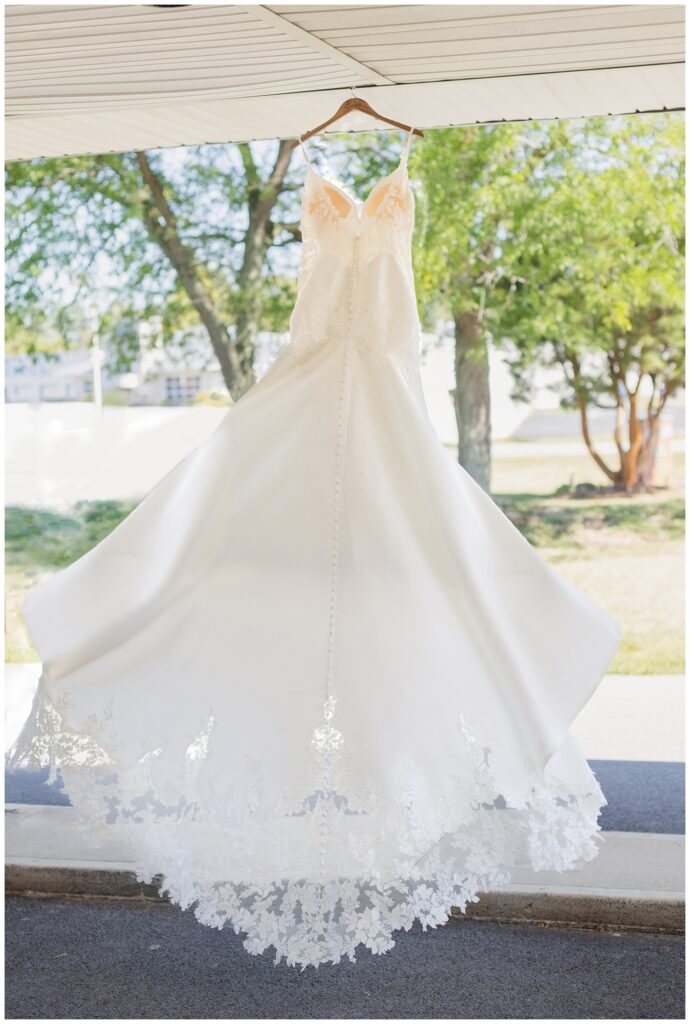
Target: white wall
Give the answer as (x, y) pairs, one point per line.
(438, 377)
(61, 452)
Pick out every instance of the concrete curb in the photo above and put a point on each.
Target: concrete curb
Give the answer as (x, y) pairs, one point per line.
(635, 882)
(57, 880)
(649, 912)
(657, 912)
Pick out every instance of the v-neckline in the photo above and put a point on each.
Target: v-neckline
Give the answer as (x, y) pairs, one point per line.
(357, 206)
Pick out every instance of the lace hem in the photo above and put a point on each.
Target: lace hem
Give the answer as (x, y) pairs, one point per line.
(244, 854)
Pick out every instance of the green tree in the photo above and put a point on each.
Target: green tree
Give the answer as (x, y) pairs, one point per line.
(187, 235)
(561, 242)
(593, 278)
(203, 235)
(467, 179)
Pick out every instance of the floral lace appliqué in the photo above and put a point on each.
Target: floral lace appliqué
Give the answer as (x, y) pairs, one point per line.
(230, 850)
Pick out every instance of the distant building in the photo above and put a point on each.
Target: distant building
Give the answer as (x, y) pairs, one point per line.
(158, 375)
(178, 373)
(171, 374)
(65, 377)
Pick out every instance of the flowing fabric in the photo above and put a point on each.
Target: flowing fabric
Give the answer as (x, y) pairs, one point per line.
(317, 679)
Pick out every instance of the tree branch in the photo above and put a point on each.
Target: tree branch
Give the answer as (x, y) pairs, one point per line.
(162, 226)
(581, 402)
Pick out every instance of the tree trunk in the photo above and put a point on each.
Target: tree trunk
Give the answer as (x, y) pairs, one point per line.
(614, 476)
(647, 460)
(472, 398)
(161, 224)
(249, 304)
(233, 350)
(654, 462)
(631, 469)
(258, 238)
(636, 466)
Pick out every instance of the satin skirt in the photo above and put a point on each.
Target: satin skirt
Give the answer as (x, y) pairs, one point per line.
(316, 678)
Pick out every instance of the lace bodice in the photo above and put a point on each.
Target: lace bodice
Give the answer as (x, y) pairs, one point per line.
(333, 223)
(356, 279)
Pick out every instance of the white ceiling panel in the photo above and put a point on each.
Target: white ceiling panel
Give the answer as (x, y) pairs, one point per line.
(82, 78)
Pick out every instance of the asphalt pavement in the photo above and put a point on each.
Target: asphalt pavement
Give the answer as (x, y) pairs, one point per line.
(112, 960)
(119, 960)
(643, 796)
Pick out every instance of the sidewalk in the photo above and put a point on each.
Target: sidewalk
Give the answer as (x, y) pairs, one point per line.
(632, 724)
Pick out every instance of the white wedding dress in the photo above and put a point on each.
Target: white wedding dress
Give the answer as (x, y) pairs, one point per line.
(317, 679)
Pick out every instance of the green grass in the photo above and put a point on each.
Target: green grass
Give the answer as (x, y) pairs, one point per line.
(641, 584)
(625, 553)
(40, 539)
(38, 542)
(571, 523)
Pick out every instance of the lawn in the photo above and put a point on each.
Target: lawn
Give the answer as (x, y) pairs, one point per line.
(545, 474)
(625, 553)
(38, 542)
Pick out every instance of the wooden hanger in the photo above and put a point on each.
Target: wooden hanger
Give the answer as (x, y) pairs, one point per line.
(346, 108)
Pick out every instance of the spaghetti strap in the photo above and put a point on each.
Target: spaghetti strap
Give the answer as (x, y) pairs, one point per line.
(408, 144)
(306, 153)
